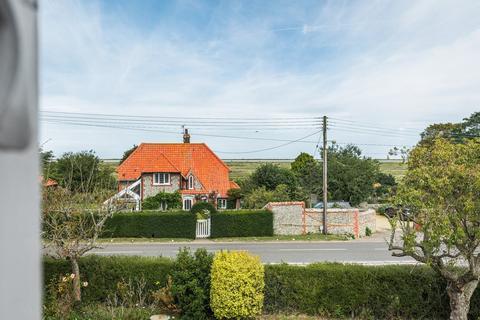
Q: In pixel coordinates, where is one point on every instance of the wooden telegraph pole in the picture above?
(325, 184)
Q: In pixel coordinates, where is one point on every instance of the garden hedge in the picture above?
(345, 291)
(151, 224)
(242, 223)
(330, 290)
(103, 273)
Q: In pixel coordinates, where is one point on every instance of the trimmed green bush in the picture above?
(237, 285)
(242, 223)
(151, 225)
(345, 291)
(201, 207)
(103, 273)
(166, 199)
(191, 283)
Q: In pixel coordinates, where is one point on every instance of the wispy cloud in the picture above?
(394, 63)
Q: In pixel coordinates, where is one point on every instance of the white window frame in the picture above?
(222, 203)
(190, 183)
(165, 176)
(184, 202)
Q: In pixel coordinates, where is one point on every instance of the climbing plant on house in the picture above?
(163, 201)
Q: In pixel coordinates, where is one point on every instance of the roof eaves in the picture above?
(131, 154)
(218, 158)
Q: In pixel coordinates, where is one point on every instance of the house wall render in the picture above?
(149, 189)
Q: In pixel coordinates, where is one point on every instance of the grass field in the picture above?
(396, 169)
(241, 169)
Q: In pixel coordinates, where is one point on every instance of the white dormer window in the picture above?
(190, 183)
(161, 179)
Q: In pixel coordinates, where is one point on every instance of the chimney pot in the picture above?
(186, 136)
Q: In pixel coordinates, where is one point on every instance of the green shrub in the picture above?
(191, 284)
(163, 200)
(103, 273)
(201, 207)
(237, 285)
(345, 291)
(368, 232)
(383, 207)
(151, 224)
(234, 195)
(242, 223)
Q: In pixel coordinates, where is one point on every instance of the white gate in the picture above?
(203, 228)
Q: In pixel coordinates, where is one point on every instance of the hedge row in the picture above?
(103, 273)
(378, 292)
(242, 223)
(151, 225)
(332, 290)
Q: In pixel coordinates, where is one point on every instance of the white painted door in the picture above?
(203, 228)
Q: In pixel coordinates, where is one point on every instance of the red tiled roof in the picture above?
(193, 191)
(234, 185)
(197, 158)
(48, 183)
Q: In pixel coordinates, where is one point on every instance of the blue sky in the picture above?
(393, 64)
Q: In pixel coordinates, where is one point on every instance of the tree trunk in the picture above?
(77, 295)
(460, 294)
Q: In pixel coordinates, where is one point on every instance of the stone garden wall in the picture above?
(291, 218)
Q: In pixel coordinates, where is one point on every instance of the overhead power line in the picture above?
(178, 132)
(165, 124)
(271, 148)
(370, 132)
(179, 122)
(120, 124)
(375, 129)
(370, 124)
(365, 144)
(181, 118)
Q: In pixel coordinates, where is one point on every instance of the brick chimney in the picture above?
(186, 136)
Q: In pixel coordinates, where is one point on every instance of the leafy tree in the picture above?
(351, 177)
(71, 224)
(402, 152)
(235, 194)
(385, 184)
(471, 125)
(259, 197)
(441, 130)
(128, 152)
(302, 161)
(469, 128)
(83, 172)
(47, 161)
(271, 175)
(46, 157)
(442, 191)
(309, 173)
(246, 185)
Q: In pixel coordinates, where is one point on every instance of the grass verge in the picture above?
(142, 240)
(307, 237)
